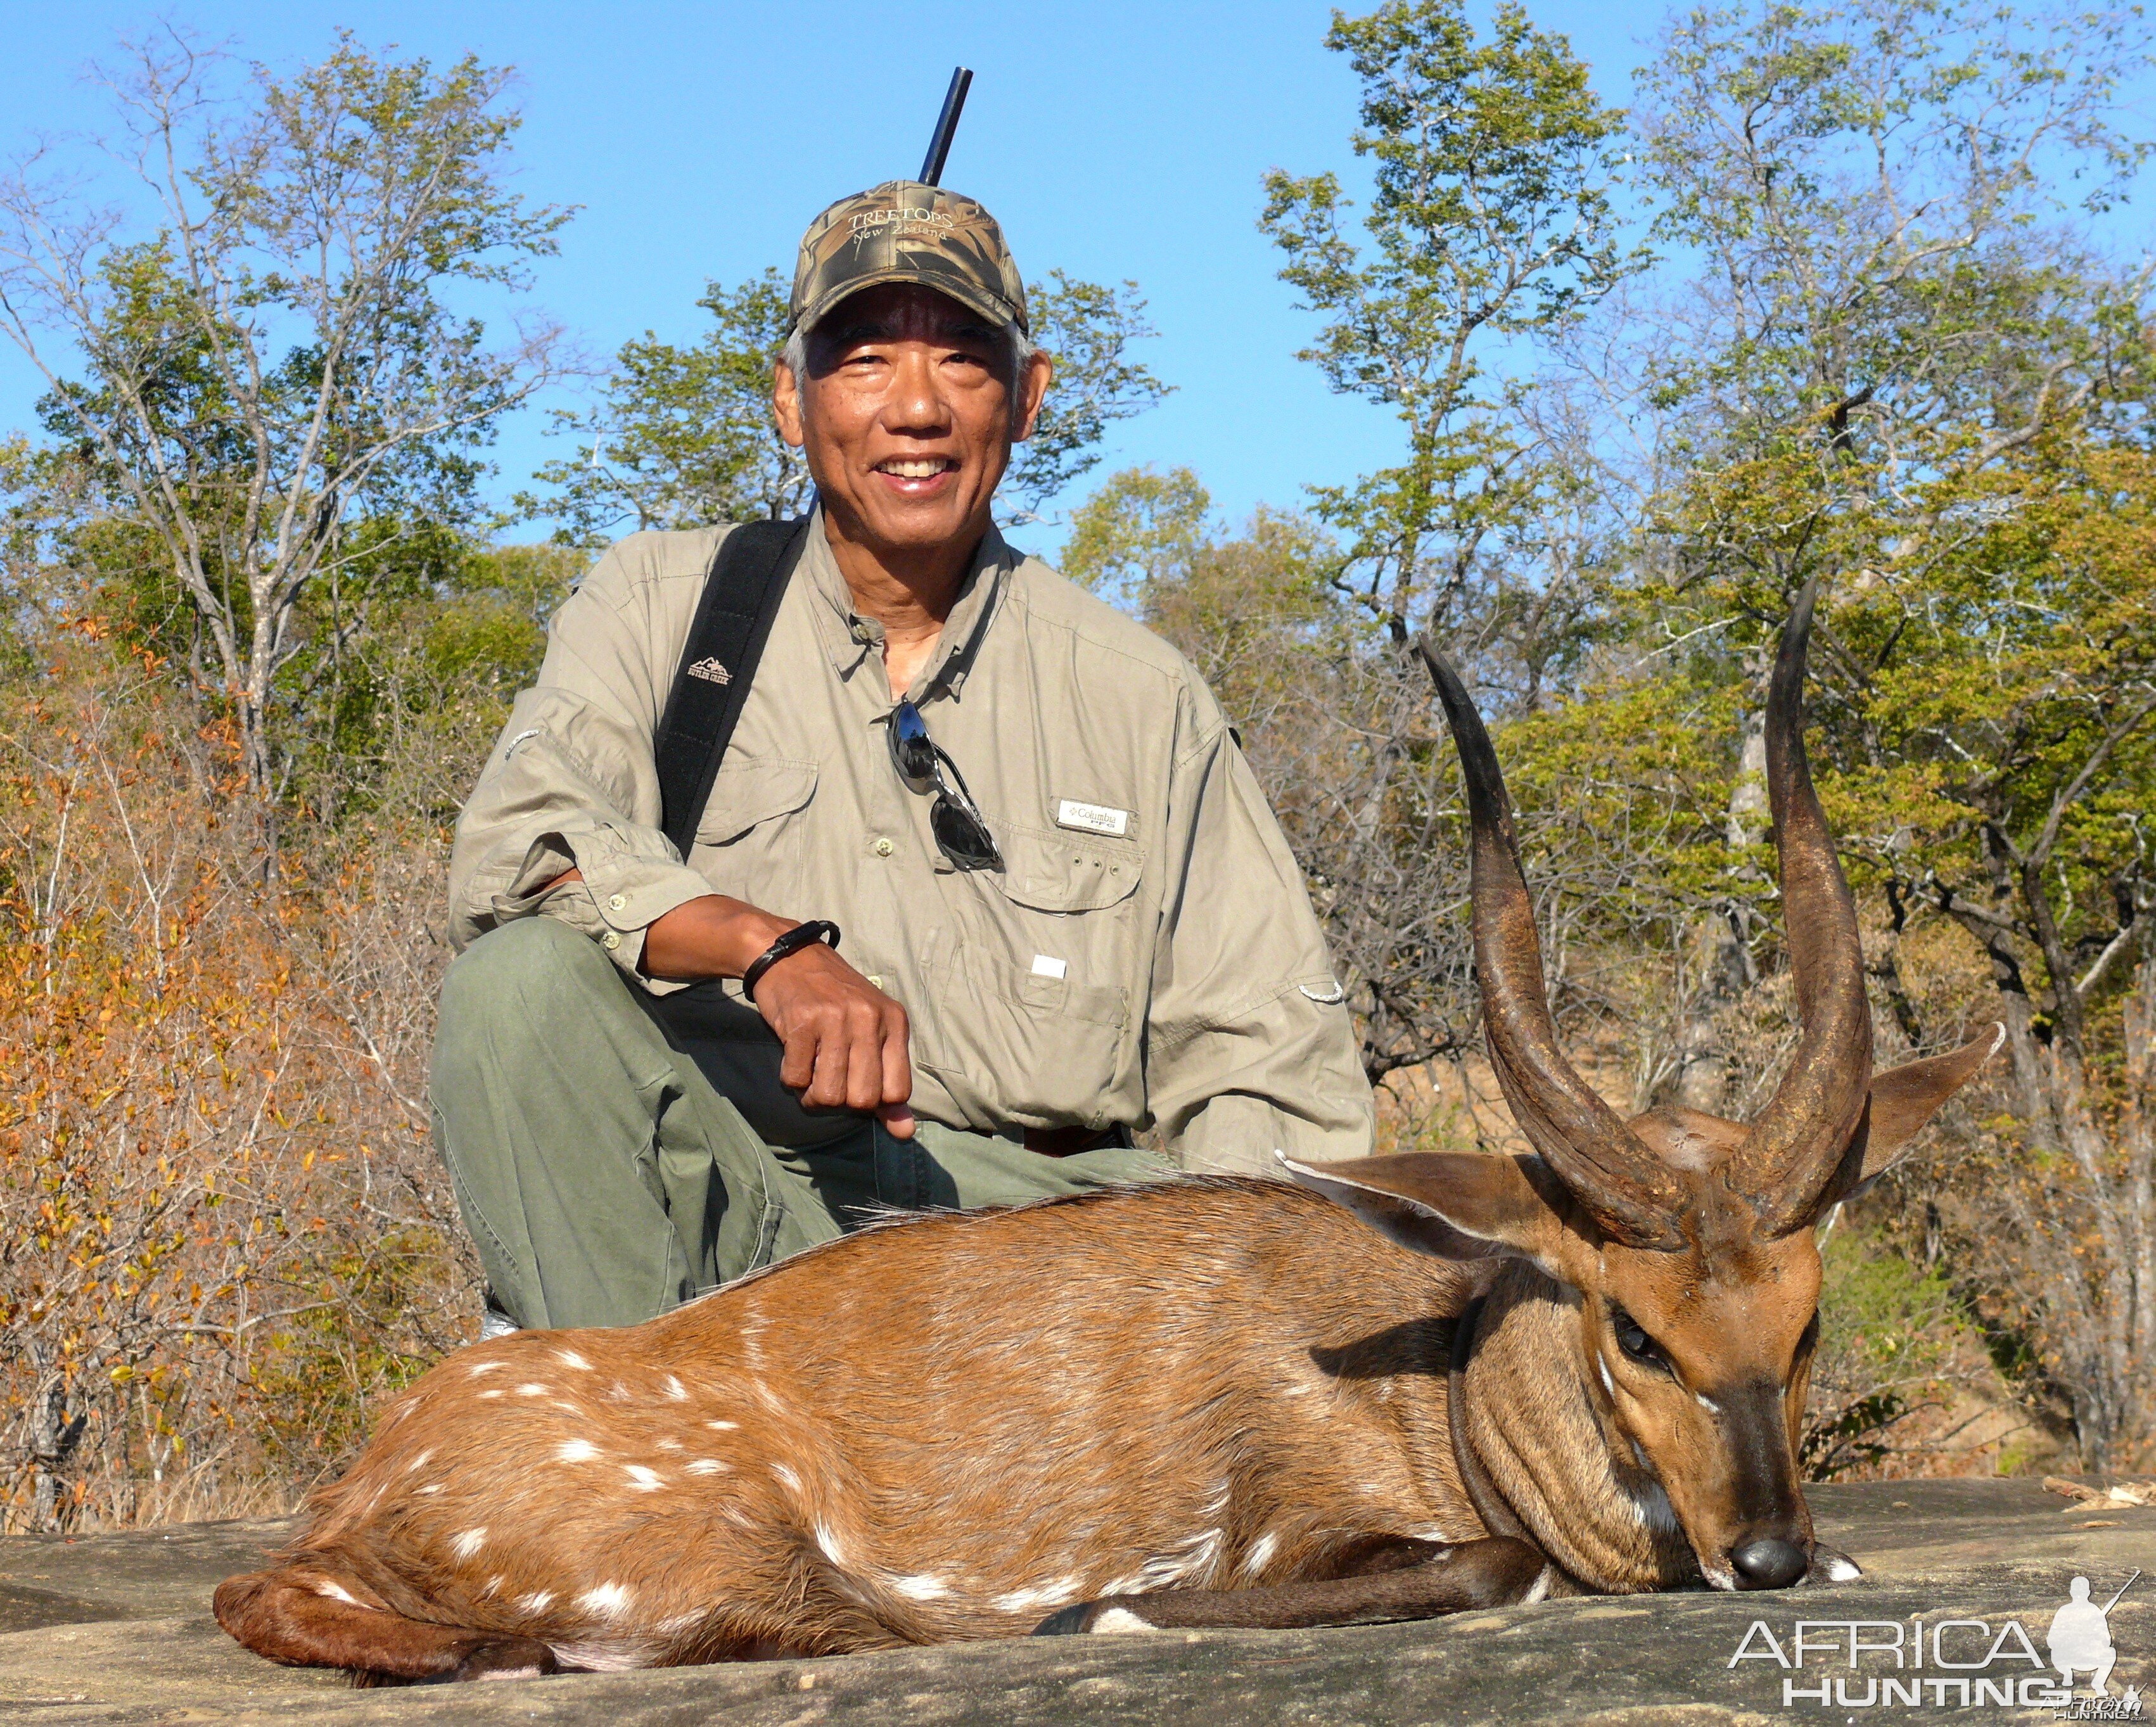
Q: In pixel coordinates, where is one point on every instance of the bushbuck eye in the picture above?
(1633, 1340)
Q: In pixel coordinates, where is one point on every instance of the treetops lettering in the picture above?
(912, 216)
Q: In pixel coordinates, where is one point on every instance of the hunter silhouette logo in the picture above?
(2080, 1636)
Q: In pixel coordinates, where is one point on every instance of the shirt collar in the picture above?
(849, 638)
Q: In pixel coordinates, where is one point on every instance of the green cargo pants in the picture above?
(605, 1178)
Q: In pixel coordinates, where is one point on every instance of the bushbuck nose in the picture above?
(1768, 1563)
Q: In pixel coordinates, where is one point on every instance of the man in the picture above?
(1066, 913)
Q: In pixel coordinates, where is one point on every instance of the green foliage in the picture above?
(276, 369)
(1491, 220)
(1890, 1334)
(1086, 328)
(681, 437)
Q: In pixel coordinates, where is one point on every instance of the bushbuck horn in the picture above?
(1632, 1193)
(1796, 1144)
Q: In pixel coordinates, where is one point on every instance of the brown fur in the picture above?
(963, 1418)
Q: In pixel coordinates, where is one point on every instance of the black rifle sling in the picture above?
(741, 598)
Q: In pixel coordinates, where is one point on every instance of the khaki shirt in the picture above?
(1147, 956)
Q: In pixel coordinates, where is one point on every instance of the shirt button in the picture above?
(618, 901)
(883, 849)
(610, 940)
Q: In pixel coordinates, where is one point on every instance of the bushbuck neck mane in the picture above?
(1572, 1481)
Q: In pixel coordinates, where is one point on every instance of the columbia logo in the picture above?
(711, 671)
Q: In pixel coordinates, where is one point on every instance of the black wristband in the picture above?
(792, 941)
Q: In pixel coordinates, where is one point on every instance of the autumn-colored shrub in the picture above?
(226, 1233)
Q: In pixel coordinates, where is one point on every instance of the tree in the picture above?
(274, 361)
(1999, 767)
(680, 437)
(1491, 223)
(1900, 364)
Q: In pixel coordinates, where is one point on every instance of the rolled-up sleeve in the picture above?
(1250, 1048)
(571, 784)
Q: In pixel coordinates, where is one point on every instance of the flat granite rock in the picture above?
(116, 1629)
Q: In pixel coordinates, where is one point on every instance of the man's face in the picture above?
(907, 416)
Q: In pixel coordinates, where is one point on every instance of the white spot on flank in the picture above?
(708, 1466)
(493, 1586)
(1060, 1593)
(417, 1463)
(468, 1543)
(667, 1444)
(432, 1487)
(1539, 1588)
(642, 1479)
(480, 1367)
(336, 1591)
(537, 1603)
(1189, 1562)
(786, 1476)
(495, 1393)
(922, 1587)
(570, 1358)
(721, 1426)
(609, 1598)
(676, 1389)
(533, 1389)
(1119, 1620)
(576, 1451)
(1259, 1554)
(829, 1541)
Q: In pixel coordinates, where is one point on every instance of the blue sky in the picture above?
(1112, 140)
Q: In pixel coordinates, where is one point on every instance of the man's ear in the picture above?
(1452, 1205)
(1032, 392)
(1903, 1099)
(786, 403)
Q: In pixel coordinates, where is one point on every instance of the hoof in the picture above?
(1070, 1622)
(1093, 1618)
(1831, 1565)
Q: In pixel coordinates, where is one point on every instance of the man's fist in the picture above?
(845, 1039)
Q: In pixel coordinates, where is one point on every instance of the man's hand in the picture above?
(845, 1039)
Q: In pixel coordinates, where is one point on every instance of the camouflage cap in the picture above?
(903, 231)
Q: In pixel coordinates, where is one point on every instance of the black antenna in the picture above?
(946, 123)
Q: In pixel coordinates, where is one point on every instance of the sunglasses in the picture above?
(954, 819)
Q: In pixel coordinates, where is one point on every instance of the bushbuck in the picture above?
(1407, 1385)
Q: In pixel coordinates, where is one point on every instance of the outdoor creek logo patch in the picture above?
(711, 671)
(1952, 1664)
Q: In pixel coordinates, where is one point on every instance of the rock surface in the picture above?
(116, 1629)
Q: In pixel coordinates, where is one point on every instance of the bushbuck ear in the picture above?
(1452, 1205)
(1903, 1099)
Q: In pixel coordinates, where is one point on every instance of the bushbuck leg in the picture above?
(308, 1620)
(1492, 1573)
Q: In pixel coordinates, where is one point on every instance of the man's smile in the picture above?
(916, 476)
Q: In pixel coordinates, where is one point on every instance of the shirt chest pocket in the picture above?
(751, 829)
(1036, 1005)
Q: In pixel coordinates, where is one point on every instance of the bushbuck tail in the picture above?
(1390, 1389)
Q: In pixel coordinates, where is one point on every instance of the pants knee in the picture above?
(534, 981)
